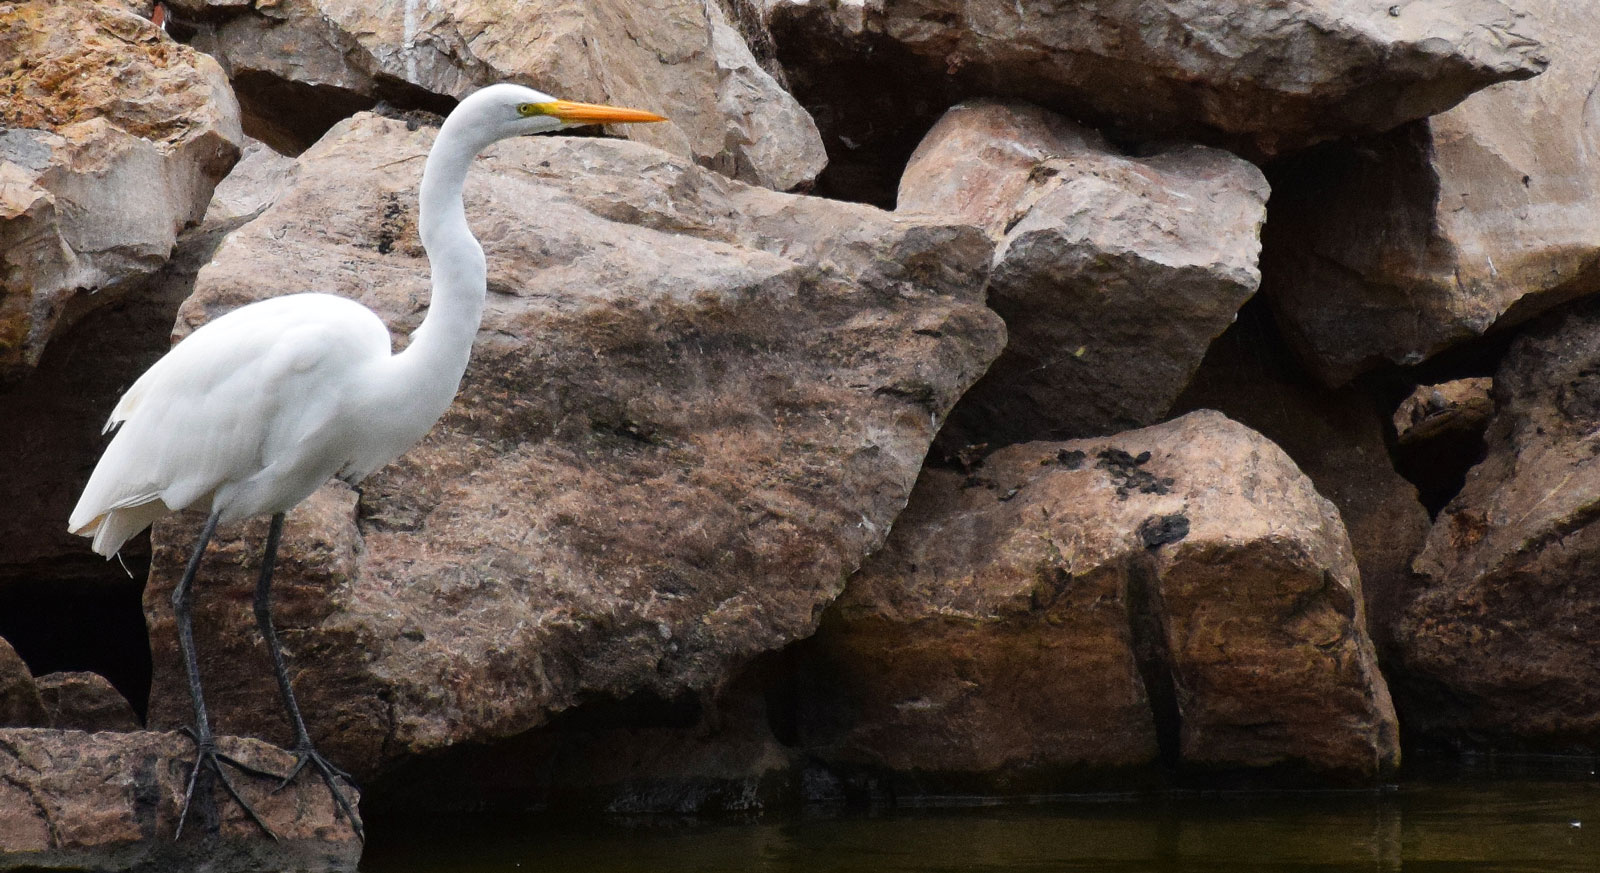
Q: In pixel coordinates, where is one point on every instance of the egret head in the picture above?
(505, 110)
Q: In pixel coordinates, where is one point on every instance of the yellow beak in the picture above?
(595, 113)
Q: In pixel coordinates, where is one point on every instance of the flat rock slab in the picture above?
(694, 407)
(109, 801)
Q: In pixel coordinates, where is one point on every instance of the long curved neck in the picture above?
(441, 345)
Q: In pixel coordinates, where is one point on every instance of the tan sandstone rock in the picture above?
(1336, 437)
(300, 65)
(110, 801)
(1114, 273)
(1500, 643)
(693, 408)
(1260, 78)
(1475, 219)
(1082, 604)
(20, 703)
(80, 701)
(111, 139)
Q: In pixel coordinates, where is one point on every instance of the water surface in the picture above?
(1540, 822)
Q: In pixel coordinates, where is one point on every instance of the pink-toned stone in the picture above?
(694, 407)
(20, 704)
(72, 800)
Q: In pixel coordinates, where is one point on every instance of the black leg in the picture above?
(208, 763)
(305, 753)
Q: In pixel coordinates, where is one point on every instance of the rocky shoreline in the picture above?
(953, 398)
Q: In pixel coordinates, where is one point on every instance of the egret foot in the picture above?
(210, 761)
(305, 754)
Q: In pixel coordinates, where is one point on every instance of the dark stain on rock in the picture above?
(1161, 530)
(393, 223)
(1127, 473)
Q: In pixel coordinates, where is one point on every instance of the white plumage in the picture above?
(255, 410)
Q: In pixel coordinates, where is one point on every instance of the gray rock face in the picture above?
(1475, 219)
(111, 139)
(1114, 274)
(110, 801)
(1500, 641)
(694, 407)
(300, 65)
(1079, 605)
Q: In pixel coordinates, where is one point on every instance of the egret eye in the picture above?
(527, 110)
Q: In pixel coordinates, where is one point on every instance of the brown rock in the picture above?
(1083, 603)
(20, 704)
(1336, 437)
(111, 138)
(1261, 79)
(301, 65)
(1114, 274)
(1394, 249)
(84, 702)
(694, 407)
(1456, 407)
(71, 800)
(1500, 643)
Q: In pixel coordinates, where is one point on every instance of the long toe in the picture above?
(331, 776)
(207, 766)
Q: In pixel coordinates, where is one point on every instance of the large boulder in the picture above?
(694, 407)
(301, 65)
(1258, 78)
(1390, 250)
(110, 801)
(1064, 607)
(1500, 641)
(111, 139)
(1337, 438)
(1113, 273)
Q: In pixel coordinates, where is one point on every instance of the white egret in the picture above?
(257, 409)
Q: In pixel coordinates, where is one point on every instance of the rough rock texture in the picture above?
(1114, 274)
(1258, 78)
(693, 408)
(300, 65)
(20, 703)
(110, 801)
(254, 183)
(1085, 603)
(771, 141)
(1336, 437)
(80, 701)
(1500, 642)
(1454, 407)
(111, 139)
(1481, 217)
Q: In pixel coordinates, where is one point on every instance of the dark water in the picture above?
(1537, 822)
